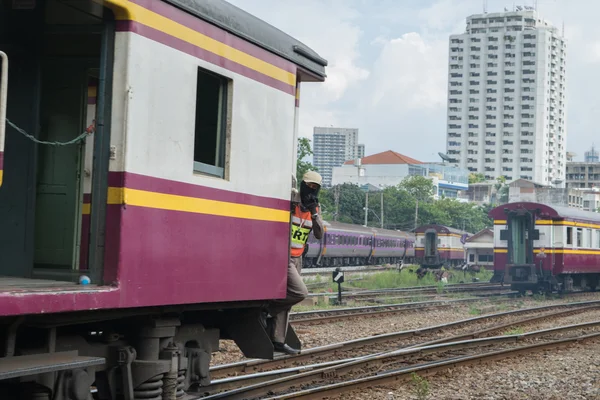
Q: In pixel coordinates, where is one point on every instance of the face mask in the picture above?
(308, 196)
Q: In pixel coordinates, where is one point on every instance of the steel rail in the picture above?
(258, 365)
(321, 372)
(335, 315)
(430, 368)
(416, 290)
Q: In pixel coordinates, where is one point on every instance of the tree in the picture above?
(304, 150)
(419, 187)
(476, 177)
(501, 190)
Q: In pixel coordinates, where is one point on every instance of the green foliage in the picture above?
(420, 385)
(476, 177)
(515, 331)
(501, 190)
(408, 278)
(474, 310)
(419, 187)
(304, 150)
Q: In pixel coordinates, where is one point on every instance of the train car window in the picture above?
(597, 238)
(472, 257)
(213, 99)
(579, 237)
(569, 235)
(588, 242)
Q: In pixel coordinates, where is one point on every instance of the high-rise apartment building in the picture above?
(332, 147)
(506, 97)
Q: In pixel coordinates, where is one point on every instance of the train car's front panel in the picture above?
(522, 268)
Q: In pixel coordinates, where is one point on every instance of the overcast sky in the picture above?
(387, 73)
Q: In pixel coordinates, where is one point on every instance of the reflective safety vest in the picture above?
(301, 227)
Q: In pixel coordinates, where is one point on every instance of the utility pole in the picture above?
(416, 213)
(366, 206)
(382, 209)
(336, 195)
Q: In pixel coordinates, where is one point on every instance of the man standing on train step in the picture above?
(305, 218)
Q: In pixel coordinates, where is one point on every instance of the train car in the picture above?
(439, 245)
(144, 198)
(348, 244)
(544, 248)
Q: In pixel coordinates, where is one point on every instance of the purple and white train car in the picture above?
(348, 244)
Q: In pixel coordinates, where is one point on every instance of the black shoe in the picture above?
(284, 348)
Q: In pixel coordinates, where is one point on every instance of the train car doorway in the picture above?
(520, 249)
(431, 247)
(55, 48)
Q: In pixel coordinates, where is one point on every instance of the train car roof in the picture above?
(441, 229)
(361, 229)
(545, 211)
(253, 29)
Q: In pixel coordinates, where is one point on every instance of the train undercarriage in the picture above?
(150, 354)
(523, 278)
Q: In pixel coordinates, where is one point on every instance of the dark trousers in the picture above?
(296, 292)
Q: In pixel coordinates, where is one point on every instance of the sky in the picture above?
(388, 66)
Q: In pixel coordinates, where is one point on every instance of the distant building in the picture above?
(592, 156)
(525, 190)
(479, 249)
(389, 168)
(360, 151)
(583, 175)
(332, 146)
(506, 97)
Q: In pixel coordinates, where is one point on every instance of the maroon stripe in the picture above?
(85, 241)
(87, 197)
(188, 48)
(152, 184)
(1, 159)
(297, 102)
(112, 243)
(91, 100)
(214, 32)
(171, 257)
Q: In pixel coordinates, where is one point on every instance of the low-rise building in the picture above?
(479, 249)
(389, 168)
(525, 190)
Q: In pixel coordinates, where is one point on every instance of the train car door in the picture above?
(59, 194)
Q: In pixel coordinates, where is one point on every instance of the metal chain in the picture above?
(79, 138)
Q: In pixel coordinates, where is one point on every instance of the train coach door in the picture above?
(59, 168)
(520, 248)
(430, 247)
(54, 48)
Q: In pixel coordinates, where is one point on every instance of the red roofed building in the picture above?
(389, 168)
(387, 157)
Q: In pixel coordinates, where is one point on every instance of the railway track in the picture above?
(357, 269)
(395, 367)
(424, 356)
(453, 288)
(407, 338)
(309, 317)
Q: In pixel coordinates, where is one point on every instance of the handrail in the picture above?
(3, 95)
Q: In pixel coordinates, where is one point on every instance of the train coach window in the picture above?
(569, 235)
(579, 237)
(212, 116)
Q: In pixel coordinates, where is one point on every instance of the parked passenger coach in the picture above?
(149, 146)
(439, 245)
(542, 248)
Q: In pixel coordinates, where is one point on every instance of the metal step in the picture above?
(14, 367)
